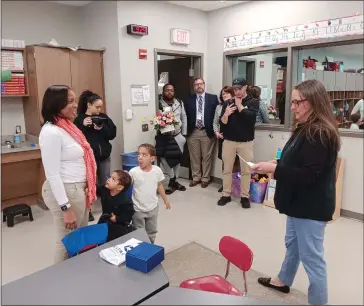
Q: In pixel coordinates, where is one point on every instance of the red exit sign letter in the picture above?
(180, 36)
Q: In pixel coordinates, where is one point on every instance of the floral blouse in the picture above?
(216, 123)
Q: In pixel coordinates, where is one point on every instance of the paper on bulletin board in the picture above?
(140, 94)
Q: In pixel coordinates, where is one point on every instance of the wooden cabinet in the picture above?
(81, 69)
(22, 177)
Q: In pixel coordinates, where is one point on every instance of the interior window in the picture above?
(340, 69)
(268, 72)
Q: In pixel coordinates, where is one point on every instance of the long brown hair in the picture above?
(226, 89)
(321, 120)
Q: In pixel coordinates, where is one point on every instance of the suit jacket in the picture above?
(211, 101)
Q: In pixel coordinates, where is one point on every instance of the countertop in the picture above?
(23, 146)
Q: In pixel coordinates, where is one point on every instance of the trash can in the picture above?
(130, 160)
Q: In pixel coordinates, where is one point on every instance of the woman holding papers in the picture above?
(305, 189)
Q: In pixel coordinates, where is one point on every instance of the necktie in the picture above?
(199, 123)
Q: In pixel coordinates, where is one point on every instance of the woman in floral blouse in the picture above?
(226, 94)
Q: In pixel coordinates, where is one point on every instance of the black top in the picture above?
(99, 140)
(306, 177)
(120, 205)
(241, 125)
(211, 101)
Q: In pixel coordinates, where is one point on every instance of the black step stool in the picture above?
(20, 209)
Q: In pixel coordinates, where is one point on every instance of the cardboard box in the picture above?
(145, 257)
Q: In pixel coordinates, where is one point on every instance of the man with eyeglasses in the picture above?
(200, 111)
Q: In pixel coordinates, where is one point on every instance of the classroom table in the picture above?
(87, 279)
(181, 296)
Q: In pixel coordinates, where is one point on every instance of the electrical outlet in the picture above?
(145, 128)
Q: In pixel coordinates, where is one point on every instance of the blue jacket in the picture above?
(211, 101)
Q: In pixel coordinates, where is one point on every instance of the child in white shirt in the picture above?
(147, 180)
(355, 118)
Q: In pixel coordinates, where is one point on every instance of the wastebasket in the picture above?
(130, 160)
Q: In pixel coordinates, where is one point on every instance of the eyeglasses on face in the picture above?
(199, 84)
(297, 102)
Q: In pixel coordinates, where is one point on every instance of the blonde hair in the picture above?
(321, 120)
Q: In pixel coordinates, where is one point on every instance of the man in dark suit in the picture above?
(200, 111)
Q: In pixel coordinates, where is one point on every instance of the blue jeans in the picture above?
(305, 242)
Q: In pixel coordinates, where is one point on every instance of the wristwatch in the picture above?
(65, 207)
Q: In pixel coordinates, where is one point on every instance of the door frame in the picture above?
(198, 65)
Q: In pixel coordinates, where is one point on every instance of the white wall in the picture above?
(11, 115)
(263, 15)
(100, 30)
(35, 22)
(243, 18)
(160, 18)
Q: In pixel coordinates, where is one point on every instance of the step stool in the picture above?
(20, 209)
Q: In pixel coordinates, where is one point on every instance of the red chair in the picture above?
(237, 253)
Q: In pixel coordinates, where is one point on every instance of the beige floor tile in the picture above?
(28, 246)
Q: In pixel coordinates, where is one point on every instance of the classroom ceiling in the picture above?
(206, 5)
(73, 3)
(198, 5)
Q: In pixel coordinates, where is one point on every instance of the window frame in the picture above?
(292, 62)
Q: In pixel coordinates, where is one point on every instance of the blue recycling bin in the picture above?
(130, 160)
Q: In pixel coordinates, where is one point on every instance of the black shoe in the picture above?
(245, 203)
(220, 189)
(90, 217)
(169, 191)
(266, 283)
(178, 186)
(223, 201)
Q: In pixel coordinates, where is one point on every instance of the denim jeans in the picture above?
(305, 242)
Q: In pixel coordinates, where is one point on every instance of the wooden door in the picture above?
(87, 72)
(52, 68)
(46, 66)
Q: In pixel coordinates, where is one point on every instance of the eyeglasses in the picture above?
(297, 102)
(199, 84)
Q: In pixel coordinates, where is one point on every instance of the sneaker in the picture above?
(245, 203)
(90, 217)
(223, 201)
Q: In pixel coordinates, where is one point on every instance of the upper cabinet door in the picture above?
(53, 68)
(87, 72)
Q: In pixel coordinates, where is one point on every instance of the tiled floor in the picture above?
(28, 247)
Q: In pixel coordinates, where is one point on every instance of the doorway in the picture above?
(180, 69)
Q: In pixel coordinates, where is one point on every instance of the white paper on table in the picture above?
(146, 93)
(116, 254)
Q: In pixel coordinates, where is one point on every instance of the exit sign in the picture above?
(180, 37)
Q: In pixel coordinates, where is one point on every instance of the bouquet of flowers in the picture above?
(165, 121)
(272, 112)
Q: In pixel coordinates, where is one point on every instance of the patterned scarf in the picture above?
(89, 158)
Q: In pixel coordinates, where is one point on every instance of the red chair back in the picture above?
(237, 252)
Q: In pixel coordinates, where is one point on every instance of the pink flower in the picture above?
(162, 123)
